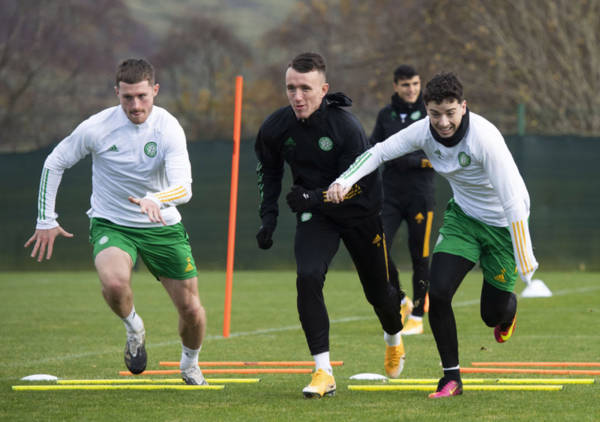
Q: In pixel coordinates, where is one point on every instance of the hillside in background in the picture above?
(519, 59)
(247, 19)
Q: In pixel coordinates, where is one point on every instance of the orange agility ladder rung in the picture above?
(534, 364)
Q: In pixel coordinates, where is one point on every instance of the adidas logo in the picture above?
(113, 148)
(376, 240)
(500, 277)
(419, 218)
(189, 267)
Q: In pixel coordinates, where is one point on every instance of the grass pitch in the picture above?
(57, 323)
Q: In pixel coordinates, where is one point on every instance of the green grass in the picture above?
(57, 323)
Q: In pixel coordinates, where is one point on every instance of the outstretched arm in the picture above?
(47, 228)
(68, 152)
(403, 142)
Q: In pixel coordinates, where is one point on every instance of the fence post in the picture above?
(521, 119)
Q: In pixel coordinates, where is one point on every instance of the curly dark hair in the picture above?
(443, 86)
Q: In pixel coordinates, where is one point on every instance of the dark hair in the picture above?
(307, 62)
(404, 72)
(443, 86)
(132, 71)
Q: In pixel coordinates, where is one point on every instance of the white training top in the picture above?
(149, 160)
(485, 180)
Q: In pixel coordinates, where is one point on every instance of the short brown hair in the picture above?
(307, 62)
(132, 71)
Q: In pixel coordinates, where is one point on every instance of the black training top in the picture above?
(411, 173)
(317, 149)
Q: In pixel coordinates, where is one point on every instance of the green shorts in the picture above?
(476, 241)
(166, 250)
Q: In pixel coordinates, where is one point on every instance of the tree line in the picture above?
(57, 58)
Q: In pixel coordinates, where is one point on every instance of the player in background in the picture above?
(140, 173)
(408, 192)
(318, 138)
(486, 220)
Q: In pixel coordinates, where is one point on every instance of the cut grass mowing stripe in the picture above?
(420, 387)
(227, 371)
(114, 387)
(157, 381)
(528, 371)
(550, 364)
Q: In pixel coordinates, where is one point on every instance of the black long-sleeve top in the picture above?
(317, 149)
(411, 173)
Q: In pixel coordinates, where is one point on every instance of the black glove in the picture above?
(264, 237)
(300, 199)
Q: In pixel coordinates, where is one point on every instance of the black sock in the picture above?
(452, 374)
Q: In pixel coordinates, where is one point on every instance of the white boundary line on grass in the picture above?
(111, 350)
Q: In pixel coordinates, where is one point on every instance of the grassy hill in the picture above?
(249, 19)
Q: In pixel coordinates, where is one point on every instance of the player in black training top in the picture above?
(319, 139)
(408, 185)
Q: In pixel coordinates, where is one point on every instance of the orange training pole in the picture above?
(263, 363)
(528, 371)
(534, 364)
(235, 163)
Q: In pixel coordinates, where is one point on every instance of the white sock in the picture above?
(189, 357)
(416, 318)
(392, 339)
(322, 362)
(133, 322)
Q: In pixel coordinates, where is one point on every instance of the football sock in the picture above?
(392, 339)
(189, 357)
(416, 318)
(452, 373)
(322, 362)
(133, 322)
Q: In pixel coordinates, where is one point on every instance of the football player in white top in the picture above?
(485, 221)
(140, 172)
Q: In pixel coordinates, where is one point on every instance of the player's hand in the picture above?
(300, 199)
(150, 208)
(337, 192)
(264, 237)
(43, 242)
